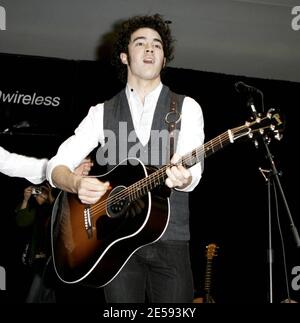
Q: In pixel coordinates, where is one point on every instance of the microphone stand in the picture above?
(270, 249)
(273, 174)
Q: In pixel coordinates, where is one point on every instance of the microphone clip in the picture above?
(250, 92)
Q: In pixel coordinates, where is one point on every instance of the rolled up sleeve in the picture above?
(191, 136)
(86, 137)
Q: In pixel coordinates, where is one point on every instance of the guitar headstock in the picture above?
(211, 250)
(269, 124)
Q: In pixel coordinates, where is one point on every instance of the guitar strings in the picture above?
(159, 174)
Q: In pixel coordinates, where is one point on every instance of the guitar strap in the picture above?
(172, 118)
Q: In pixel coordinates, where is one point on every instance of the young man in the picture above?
(161, 270)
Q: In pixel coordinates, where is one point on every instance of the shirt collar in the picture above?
(153, 95)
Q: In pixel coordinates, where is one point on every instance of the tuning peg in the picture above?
(270, 113)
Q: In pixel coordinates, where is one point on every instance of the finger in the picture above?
(93, 184)
(184, 172)
(86, 167)
(88, 200)
(91, 190)
(170, 175)
(175, 158)
(171, 180)
(90, 197)
(169, 183)
(177, 174)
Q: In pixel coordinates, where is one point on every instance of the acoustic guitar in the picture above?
(91, 243)
(210, 254)
(211, 250)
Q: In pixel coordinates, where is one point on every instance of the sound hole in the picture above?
(118, 205)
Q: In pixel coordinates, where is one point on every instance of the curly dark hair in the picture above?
(125, 29)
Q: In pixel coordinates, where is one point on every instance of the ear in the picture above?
(123, 57)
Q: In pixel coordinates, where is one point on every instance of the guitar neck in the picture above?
(209, 148)
(195, 156)
(207, 281)
(157, 178)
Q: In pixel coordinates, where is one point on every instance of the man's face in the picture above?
(145, 57)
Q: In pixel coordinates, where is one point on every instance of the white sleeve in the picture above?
(191, 136)
(14, 165)
(86, 137)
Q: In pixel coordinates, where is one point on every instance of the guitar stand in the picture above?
(272, 177)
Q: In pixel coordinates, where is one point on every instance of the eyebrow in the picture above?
(143, 37)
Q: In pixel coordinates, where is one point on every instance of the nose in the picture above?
(149, 49)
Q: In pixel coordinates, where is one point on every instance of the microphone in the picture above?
(241, 87)
(21, 124)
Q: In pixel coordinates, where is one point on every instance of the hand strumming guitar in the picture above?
(89, 190)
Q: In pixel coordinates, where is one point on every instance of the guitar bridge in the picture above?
(88, 222)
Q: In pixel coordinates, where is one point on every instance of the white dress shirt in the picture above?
(90, 132)
(14, 165)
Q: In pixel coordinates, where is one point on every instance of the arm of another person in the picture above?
(15, 165)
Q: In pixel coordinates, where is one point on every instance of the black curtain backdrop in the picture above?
(229, 206)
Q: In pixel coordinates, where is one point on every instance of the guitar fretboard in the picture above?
(157, 178)
(207, 282)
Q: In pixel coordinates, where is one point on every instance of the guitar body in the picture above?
(91, 244)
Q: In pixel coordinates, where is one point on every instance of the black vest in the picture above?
(117, 117)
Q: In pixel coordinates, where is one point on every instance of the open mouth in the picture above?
(148, 60)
